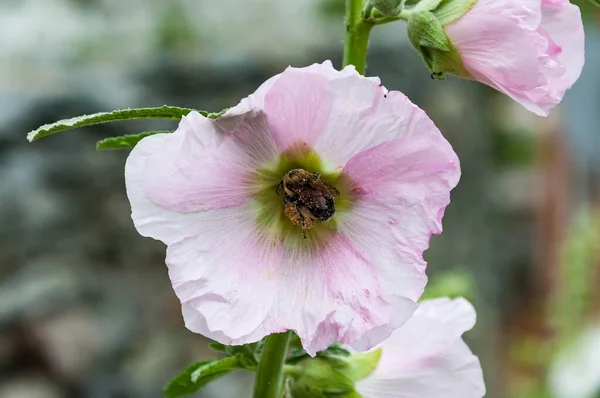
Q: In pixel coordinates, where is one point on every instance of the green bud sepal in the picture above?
(390, 8)
(330, 375)
(427, 35)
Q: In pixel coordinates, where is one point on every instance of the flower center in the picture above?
(298, 198)
(307, 198)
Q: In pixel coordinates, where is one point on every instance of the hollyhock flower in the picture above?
(427, 357)
(212, 191)
(531, 50)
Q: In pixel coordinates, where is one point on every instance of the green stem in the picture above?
(269, 376)
(358, 29)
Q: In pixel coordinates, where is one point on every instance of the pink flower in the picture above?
(242, 270)
(427, 357)
(531, 50)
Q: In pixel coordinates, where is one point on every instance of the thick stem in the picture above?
(358, 29)
(269, 376)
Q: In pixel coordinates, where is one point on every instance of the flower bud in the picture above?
(332, 375)
(428, 37)
(532, 51)
(390, 8)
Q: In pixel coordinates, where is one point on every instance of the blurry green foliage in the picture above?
(454, 283)
(568, 310)
(515, 148)
(588, 10)
(332, 8)
(580, 256)
(175, 32)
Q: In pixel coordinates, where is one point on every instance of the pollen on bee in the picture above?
(293, 214)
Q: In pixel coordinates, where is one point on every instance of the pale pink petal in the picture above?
(365, 115)
(203, 166)
(562, 20)
(402, 188)
(401, 308)
(329, 294)
(496, 50)
(526, 13)
(426, 357)
(332, 293)
(226, 275)
(297, 107)
(150, 219)
(256, 100)
(455, 374)
(531, 50)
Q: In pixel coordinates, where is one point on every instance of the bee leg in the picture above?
(280, 185)
(302, 222)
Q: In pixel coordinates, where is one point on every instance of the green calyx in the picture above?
(448, 11)
(331, 376)
(390, 8)
(269, 200)
(427, 35)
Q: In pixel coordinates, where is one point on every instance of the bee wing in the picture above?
(325, 189)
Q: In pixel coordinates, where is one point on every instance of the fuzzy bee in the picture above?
(307, 198)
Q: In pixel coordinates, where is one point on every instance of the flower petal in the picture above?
(562, 21)
(226, 275)
(203, 165)
(531, 50)
(298, 106)
(526, 12)
(427, 357)
(402, 188)
(455, 374)
(496, 50)
(150, 219)
(332, 294)
(365, 115)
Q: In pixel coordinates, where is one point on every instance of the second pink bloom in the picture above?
(531, 50)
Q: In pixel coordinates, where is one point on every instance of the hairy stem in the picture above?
(358, 29)
(269, 376)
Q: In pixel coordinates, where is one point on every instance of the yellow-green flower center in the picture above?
(270, 197)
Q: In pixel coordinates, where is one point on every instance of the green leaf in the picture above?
(198, 375)
(218, 347)
(335, 349)
(246, 354)
(162, 112)
(125, 141)
(595, 2)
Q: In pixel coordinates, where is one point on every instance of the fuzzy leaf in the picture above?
(125, 141)
(162, 112)
(198, 375)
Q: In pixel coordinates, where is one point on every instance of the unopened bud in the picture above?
(332, 375)
(427, 35)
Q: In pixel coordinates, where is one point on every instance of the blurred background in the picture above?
(86, 307)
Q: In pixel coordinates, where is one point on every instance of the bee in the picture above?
(307, 198)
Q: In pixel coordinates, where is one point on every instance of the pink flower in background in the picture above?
(427, 357)
(240, 266)
(531, 50)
